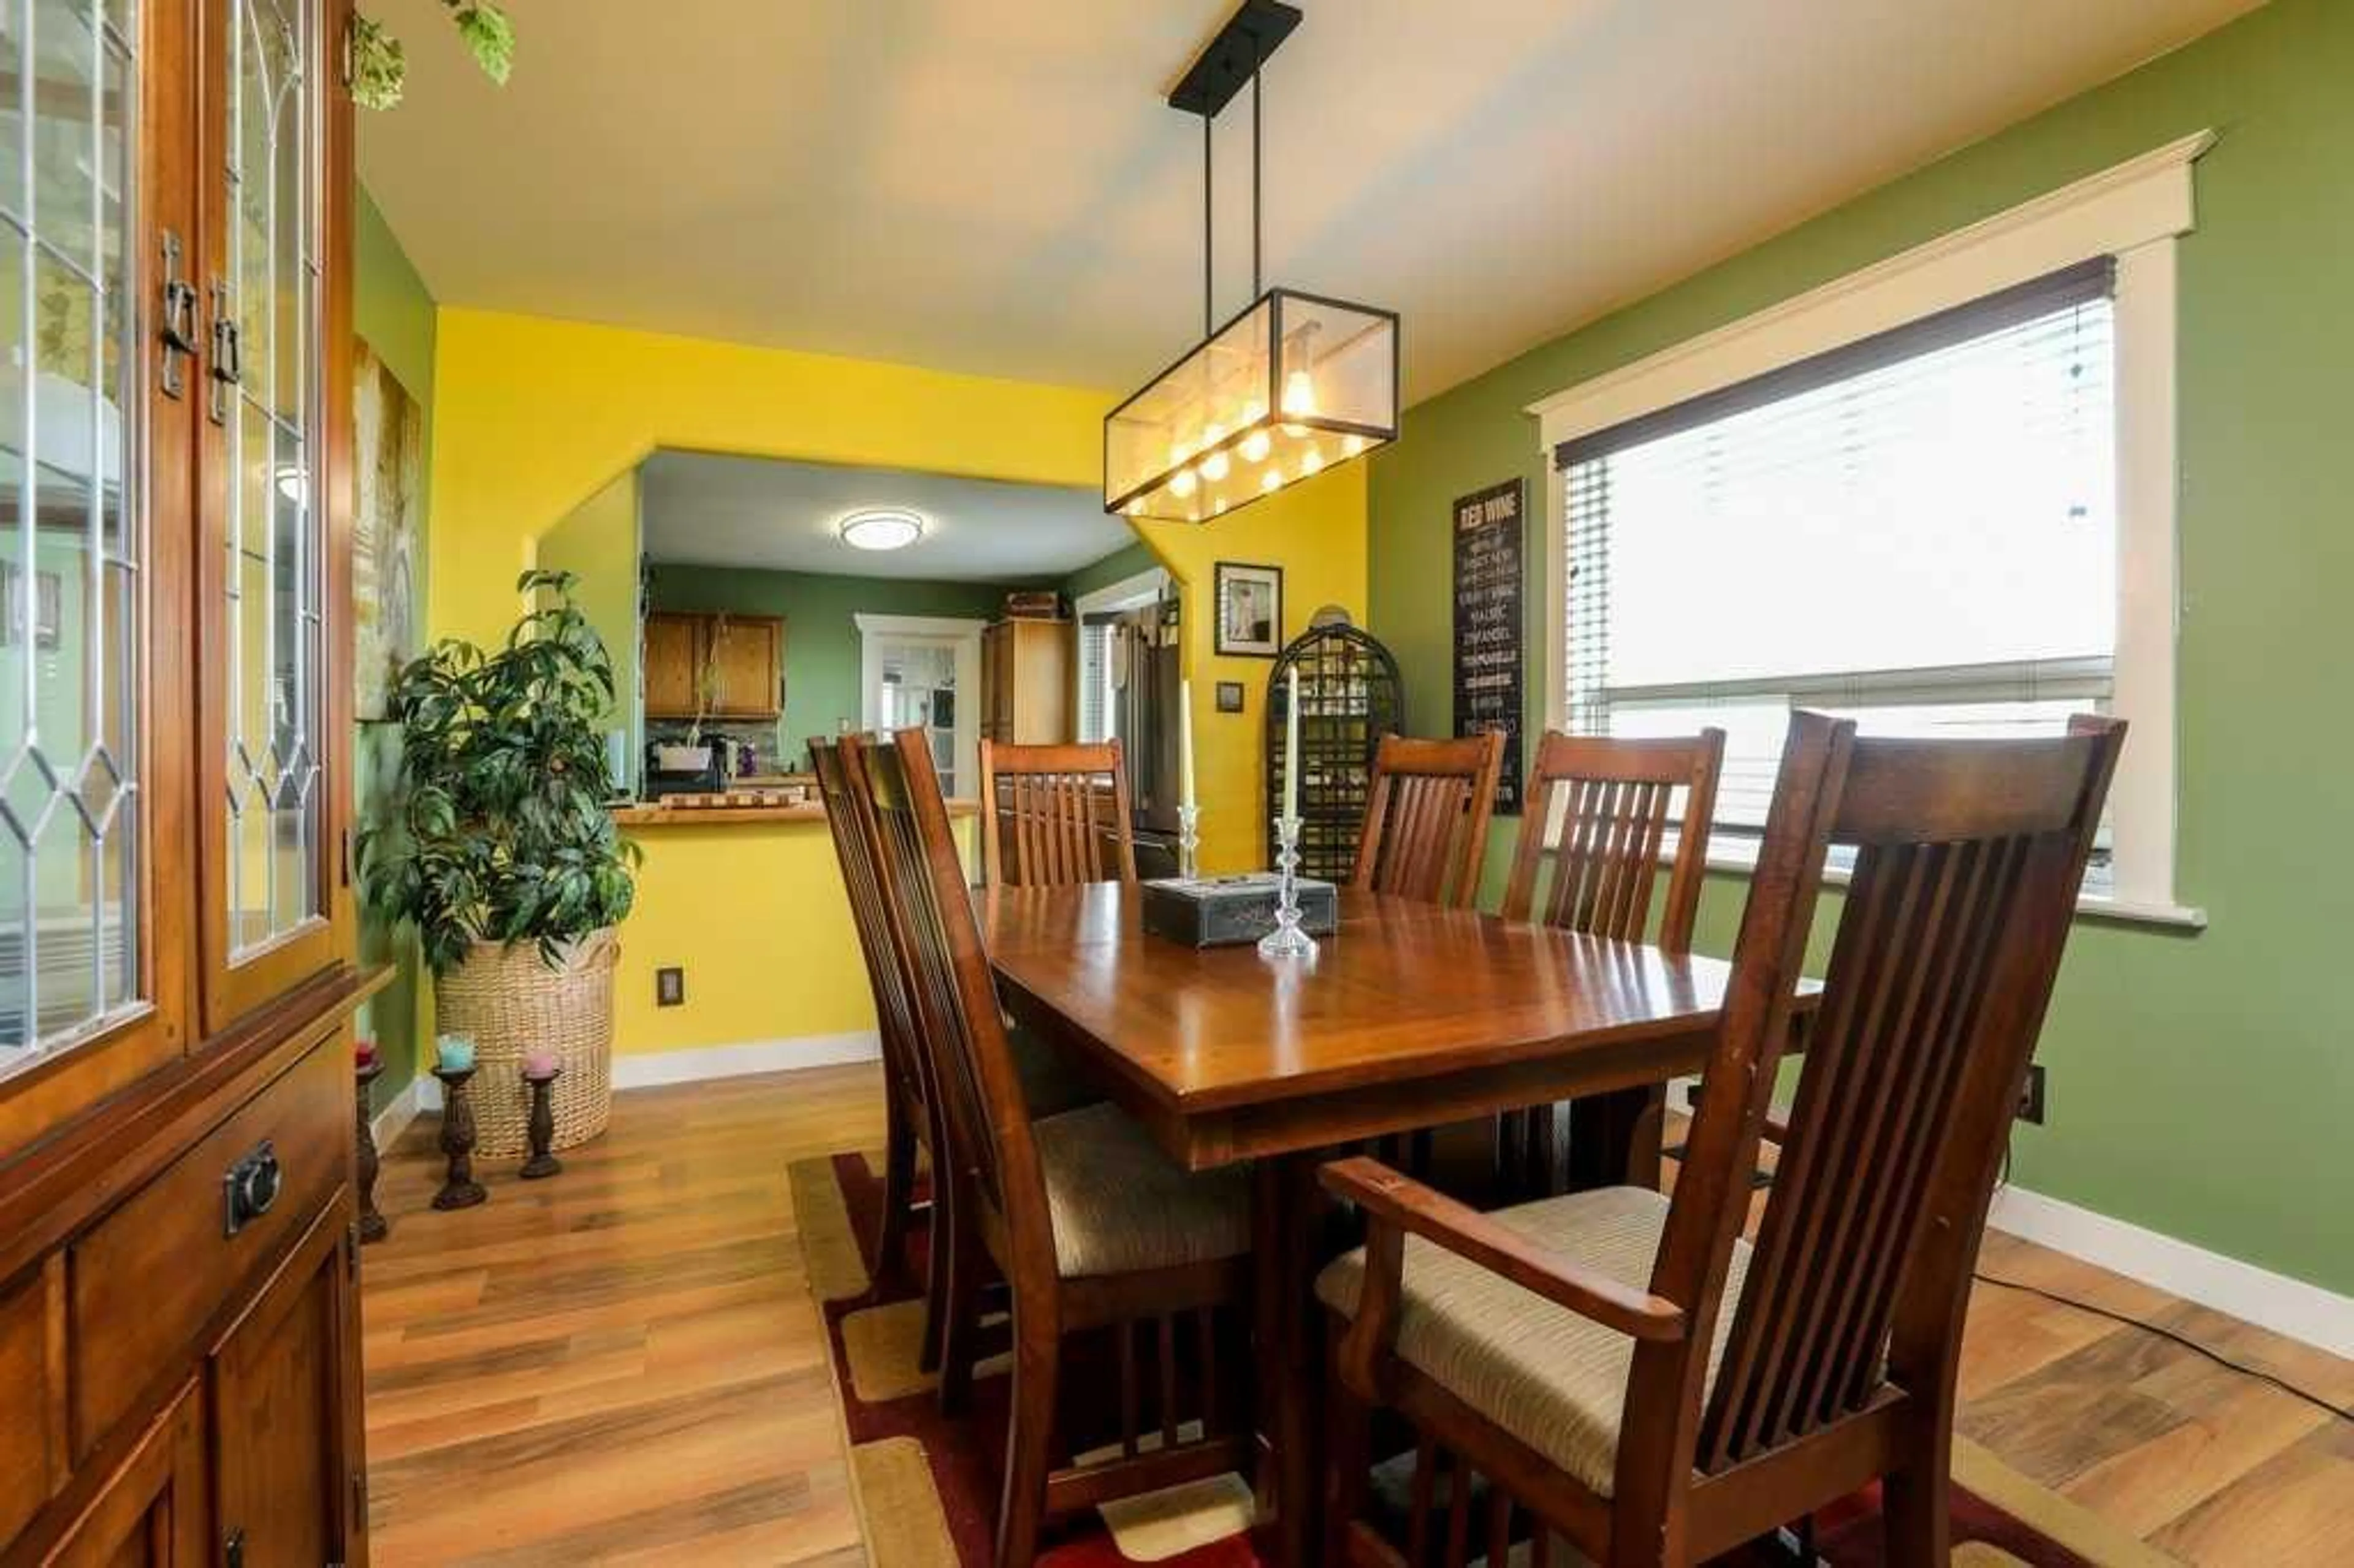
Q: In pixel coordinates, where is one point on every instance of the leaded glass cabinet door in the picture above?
(92, 765)
(276, 402)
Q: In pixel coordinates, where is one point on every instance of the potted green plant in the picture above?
(500, 849)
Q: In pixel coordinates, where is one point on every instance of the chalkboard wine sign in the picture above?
(1488, 624)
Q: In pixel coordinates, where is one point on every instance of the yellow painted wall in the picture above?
(532, 416)
(757, 917)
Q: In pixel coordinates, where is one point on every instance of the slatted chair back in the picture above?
(1969, 858)
(904, 1057)
(1427, 817)
(1602, 805)
(932, 925)
(1053, 815)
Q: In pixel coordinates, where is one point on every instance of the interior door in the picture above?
(151, 1514)
(281, 1486)
(273, 750)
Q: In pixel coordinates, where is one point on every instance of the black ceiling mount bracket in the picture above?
(1228, 62)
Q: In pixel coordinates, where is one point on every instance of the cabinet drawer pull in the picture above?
(229, 353)
(250, 1187)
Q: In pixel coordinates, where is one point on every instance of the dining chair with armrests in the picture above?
(1091, 1226)
(1594, 830)
(912, 1124)
(1052, 815)
(1426, 831)
(1626, 1370)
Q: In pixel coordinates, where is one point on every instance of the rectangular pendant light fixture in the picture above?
(1295, 384)
(1291, 386)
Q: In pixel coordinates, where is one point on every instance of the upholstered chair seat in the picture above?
(1553, 1379)
(1118, 1206)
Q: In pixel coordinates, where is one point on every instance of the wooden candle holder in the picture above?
(541, 1129)
(374, 1226)
(458, 1188)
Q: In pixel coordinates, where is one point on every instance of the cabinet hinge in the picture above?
(233, 1549)
(348, 857)
(359, 1499)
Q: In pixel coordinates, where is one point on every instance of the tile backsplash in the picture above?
(762, 738)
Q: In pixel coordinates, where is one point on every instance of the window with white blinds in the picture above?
(1918, 529)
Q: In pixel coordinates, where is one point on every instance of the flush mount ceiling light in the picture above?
(881, 528)
(1294, 385)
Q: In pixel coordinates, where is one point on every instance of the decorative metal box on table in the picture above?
(1220, 911)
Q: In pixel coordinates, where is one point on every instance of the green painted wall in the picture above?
(821, 638)
(2199, 1085)
(1120, 565)
(597, 541)
(394, 314)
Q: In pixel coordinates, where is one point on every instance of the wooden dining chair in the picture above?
(912, 1120)
(1094, 1230)
(1594, 830)
(1427, 812)
(1626, 1371)
(1052, 815)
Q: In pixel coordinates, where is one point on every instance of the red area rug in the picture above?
(929, 1486)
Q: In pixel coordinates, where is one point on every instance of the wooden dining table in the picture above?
(1409, 1016)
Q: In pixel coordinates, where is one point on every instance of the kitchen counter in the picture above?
(660, 815)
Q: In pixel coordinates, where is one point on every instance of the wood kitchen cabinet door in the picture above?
(285, 1488)
(674, 653)
(151, 1514)
(747, 661)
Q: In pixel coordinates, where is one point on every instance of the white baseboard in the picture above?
(655, 1068)
(393, 1120)
(2258, 1295)
(658, 1068)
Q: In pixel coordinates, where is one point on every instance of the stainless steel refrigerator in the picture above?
(1141, 656)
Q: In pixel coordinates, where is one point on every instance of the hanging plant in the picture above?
(380, 67)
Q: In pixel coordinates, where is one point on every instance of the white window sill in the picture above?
(1741, 861)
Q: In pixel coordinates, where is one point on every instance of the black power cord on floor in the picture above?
(2341, 1412)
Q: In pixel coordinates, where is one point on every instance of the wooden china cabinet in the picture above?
(179, 1346)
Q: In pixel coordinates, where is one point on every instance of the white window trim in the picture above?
(2134, 211)
(1140, 587)
(965, 636)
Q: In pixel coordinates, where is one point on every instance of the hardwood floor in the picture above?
(622, 1365)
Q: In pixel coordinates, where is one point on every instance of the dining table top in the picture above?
(1407, 1011)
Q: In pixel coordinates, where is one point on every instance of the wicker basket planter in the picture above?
(511, 1004)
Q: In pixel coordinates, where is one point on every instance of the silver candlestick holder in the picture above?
(1287, 940)
(1189, 842)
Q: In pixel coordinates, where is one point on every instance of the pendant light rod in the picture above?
(1257, 206)
(1227, 63)
(1209, 233)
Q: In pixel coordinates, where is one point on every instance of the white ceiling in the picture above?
(994, 185)
(783, 516)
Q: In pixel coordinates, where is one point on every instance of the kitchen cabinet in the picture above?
(748, 666)
(712, 666)
(177, 971)
(1026, 682)
(674, 653)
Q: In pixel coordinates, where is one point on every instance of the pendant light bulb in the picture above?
(1352, 445)
(1256, 447)
(1298, 396)
(1181, 483)
(1269, 482)
(1310, 462)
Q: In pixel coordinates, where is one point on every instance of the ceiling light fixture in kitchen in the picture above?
(881, 528)
(1295, 384)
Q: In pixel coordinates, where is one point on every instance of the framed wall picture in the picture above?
(1250, 609)
(1230, 696)
(388, 529)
